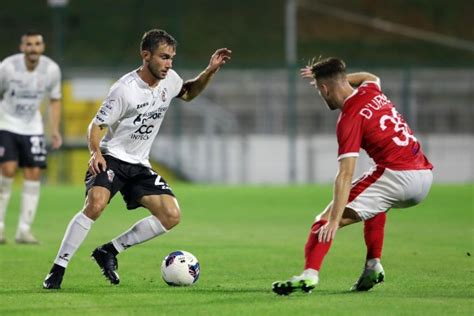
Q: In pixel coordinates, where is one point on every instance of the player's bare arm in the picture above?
(55, 118)
(342, 188)
(356, 78)
(192, 88)
(97, 162)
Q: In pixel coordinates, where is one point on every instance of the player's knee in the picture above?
(8, 171)
(95, 205)
(172, 218)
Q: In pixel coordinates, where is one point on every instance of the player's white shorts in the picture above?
(381, 189)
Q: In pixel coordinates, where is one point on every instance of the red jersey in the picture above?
(369, 120)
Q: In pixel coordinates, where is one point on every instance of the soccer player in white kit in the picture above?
(401, 177)
(25, 80)
(132, 113)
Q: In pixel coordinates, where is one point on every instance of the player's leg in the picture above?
(372, 273)
(165, 215)
(76, 231)
(32, 158)
(153, 193)
(8, 166)
(315, 251)
(402, 189)
(374, 232)
(29, 204)
(7, 174)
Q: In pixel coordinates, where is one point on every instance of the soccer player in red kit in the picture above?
(401, 176)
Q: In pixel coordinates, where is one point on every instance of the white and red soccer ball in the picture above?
(180, 268)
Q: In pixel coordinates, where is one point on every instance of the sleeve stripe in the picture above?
(347, 155)
(374, 82)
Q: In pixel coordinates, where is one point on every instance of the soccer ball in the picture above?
(180, 268)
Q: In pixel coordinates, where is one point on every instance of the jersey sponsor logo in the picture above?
(139, 106)
(108, 104)
(27, 94)
(145, 129)
(25, 110)
(145, 122)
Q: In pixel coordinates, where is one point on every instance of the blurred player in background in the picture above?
(132, 113)
(401, 178)
(25, 79)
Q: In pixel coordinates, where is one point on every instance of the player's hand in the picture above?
(219, 58)
(306, 73)
(97, 163)
(327, 232)
(56, 139)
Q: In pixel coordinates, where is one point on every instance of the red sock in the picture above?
(314, 251)
(373, 235)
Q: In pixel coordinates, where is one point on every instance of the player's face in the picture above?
(32, 47)
(327, 95)
(161, 61)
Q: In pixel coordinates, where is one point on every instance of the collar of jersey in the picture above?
(142, 83)
(350, 96)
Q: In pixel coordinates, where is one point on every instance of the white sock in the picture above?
(143, 230)
(312, 274)
(29, 204)
(75, 234)
(5, 193)
(371, 263)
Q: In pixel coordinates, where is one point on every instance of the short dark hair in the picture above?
(31, 33)
(328, 68)
(152, 39)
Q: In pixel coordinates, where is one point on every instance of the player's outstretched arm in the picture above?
(356, 78)
(55, 118)
(193, 87)
(342, 188)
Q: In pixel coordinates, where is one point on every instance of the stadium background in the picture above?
(258, 122)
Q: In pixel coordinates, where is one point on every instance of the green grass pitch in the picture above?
(246, 238)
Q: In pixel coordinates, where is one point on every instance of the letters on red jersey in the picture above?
(370, 121)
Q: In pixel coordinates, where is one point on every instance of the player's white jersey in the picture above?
(22, 91)
(133, 112)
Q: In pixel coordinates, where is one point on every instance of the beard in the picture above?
(155, 72)
(32, 57)
(331, 104)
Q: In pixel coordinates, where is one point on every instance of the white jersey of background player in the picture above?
(25, 80)
(22, 91)
(133, 112)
